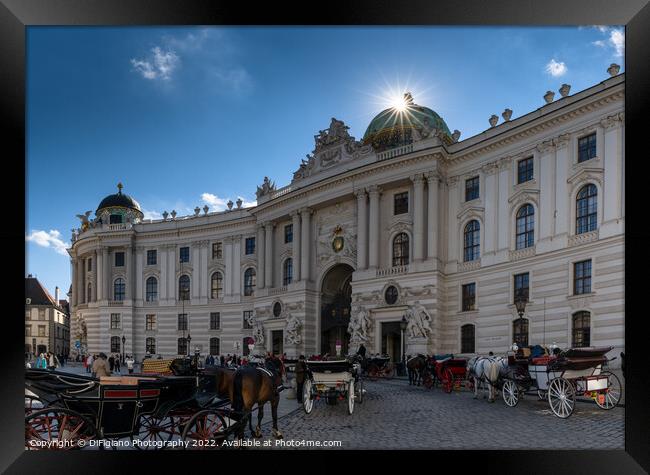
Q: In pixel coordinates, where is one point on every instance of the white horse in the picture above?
(487, 369)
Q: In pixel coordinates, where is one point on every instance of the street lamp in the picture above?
(189, 341)
(123, 344)
(520, 304)
(402, 326)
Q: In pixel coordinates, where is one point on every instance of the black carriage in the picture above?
(150, 410)
(379, 367)
(576, 372)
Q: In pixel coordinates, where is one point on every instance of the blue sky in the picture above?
(194, 116)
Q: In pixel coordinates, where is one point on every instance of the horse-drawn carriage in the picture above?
(332, 381)
(449, 372)
(561, 378)
(379, 367)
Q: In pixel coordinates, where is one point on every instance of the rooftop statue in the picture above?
(84, 220)
(267, 187)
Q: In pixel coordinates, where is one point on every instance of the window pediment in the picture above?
(476, 211)
(524, 195)
(586, 174)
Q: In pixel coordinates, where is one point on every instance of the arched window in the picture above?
(525, 226)
(89, 293)
(287, 271)
(401, 250)
(214, 346)
(586, 209)
(249, 281)
(184, 289)
(115, 344)
(216, 291)
(472, 241)
(118, 289)
(581, 329)
(152, 289)
(520, 332)
(467, 339)
(151, 345)
(182, 346)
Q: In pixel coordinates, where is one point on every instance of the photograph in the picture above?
(325, 237)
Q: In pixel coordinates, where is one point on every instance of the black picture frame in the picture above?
(16, 15)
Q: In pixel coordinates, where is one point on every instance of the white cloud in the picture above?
(220, 204)
(617, 40)
(555, 68)
(235, 79)
(151, 214)
(247, 204)
(159, 65)
(600, 43)
(49, 239)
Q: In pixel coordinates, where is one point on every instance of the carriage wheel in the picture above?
(469, 384)
(510, 393)
(206, 429)
(307, 397)
(541, 395)
(33, 404)
(447, 380)
(389, 372)
(612, 394)
(373, 373)
(561, 397)
(359, 391)
(61, 428)
(153, 430)
(427, 379)
(351, 397)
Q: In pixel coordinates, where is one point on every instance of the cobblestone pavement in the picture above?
(395, 415)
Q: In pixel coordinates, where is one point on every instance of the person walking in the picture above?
(111, 362)
(222, 360)
(100, 366)
(118, 365)
(129, 363)
(89, 363)
(301, 371)
(361, 351)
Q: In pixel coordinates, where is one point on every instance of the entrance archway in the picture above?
(336, 298)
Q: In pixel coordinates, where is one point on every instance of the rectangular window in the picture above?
(401, 203)
(525, 170)
(182, 321)
(586, 148)
(471, 189)
(521, 286)
(119, 259)
(182, 346)
(150, 322)
(217, 250)
(90, 264)
(467, 339)
(214, 346)
(152, 257)
(151, 346)
(582, 277)
(248, 315)
(250, 245)
(469, 297)
(288, 233)
(185, 254)
(41, 314)
(215, 321)
(41, 330)
(115, 321)
(28, 315)
(28, 330)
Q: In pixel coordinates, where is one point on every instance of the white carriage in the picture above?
(332, 381)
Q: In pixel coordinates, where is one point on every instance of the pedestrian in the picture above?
(129, 364)
(111, 362)
(361, 351)
(89, 363)
(100, 366)
(301, 370)
(118, 365)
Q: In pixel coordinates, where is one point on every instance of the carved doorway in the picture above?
(277, 337)
(336, 298)
(391, 341)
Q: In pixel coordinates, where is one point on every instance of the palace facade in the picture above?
(409, 222)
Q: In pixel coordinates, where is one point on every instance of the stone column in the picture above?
(268, 252)
(80, 280)
(611, 157)
(362, 229)
(432, 215)
(99, 274)
(295, 254)
(503, 211)
(162, 283)
(562, 162)
(373, 227)
(95, 278)
(305, 258)
(259, 250)
(172, 291)
(128, 257)
(229, 270)
(196, 270)
(236, 265)
(75, 287)
(203, 263)
(139, 266)
(107, 273)
(546, 153)
(490, 224)
(418, 217)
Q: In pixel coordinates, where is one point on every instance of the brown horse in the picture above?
(415, 366)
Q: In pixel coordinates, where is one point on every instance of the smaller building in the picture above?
(47, 320)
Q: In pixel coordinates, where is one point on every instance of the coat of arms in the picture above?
(338, 242)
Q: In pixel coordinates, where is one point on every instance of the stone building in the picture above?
(408, 222)
(47, 320)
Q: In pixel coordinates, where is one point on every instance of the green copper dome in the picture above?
(392, 127)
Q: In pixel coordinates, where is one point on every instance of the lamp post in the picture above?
(520, 304)
(189, 341)
(123, 345)
(402, 327)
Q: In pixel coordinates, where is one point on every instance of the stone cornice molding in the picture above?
(612, 121)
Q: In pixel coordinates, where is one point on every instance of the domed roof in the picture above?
(399, 123)
(119, 200)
